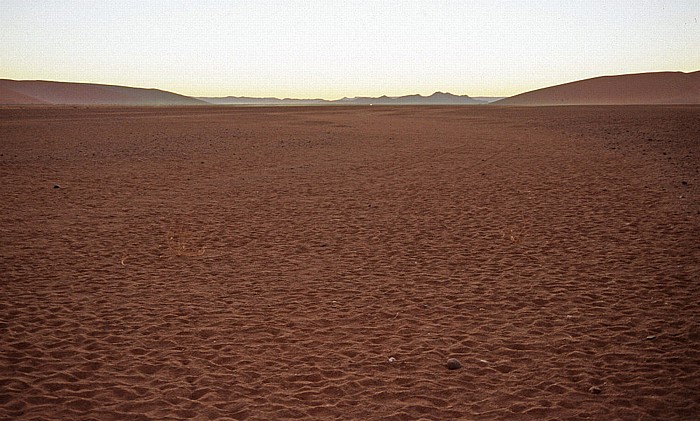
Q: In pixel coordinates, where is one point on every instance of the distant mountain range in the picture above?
(37, 92)
(641, 88)
(438, 98)
(631, 89)
(245, 100)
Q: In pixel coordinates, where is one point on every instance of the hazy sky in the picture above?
(339, 48)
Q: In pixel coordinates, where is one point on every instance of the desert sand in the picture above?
(631, 89)
(41, 92)
(320, 263)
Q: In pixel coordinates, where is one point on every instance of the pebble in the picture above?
(651, 337)
(392, 359)
(595, 390)
(56, 186)
(453, 364)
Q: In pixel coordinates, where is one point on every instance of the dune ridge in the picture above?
(25, 92)
(658, 88)
(631, 89)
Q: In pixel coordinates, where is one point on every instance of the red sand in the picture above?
(632, 89)
(263, 263)
(17, 92)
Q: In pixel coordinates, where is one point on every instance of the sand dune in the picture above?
(324, 263)
(13, 92)
(632, 89)
(11, 97)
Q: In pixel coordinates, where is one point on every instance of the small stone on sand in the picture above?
(453, 364)
(56, 186)
(595, 390)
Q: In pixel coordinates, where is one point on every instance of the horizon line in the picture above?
(338, 98)
(248, 96)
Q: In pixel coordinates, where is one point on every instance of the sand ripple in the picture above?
(267, 263)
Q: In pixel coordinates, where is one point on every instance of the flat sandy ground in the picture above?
(266, 263)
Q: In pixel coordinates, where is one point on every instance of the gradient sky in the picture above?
(332, 49)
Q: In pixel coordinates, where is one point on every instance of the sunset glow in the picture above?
(334, 49)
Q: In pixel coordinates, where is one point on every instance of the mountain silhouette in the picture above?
(438, 98)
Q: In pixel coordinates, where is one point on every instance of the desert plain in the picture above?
(325, 262)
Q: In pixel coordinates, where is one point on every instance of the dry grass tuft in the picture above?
(179, 243)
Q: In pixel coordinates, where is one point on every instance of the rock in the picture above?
(392, 359)
(595, 390)
(56, 186)
(651, 337)
(453, 364)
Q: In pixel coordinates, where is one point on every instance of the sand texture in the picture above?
(321, 263)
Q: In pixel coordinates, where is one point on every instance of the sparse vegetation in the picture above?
(179, 243)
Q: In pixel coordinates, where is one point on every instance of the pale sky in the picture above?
(331, 49)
